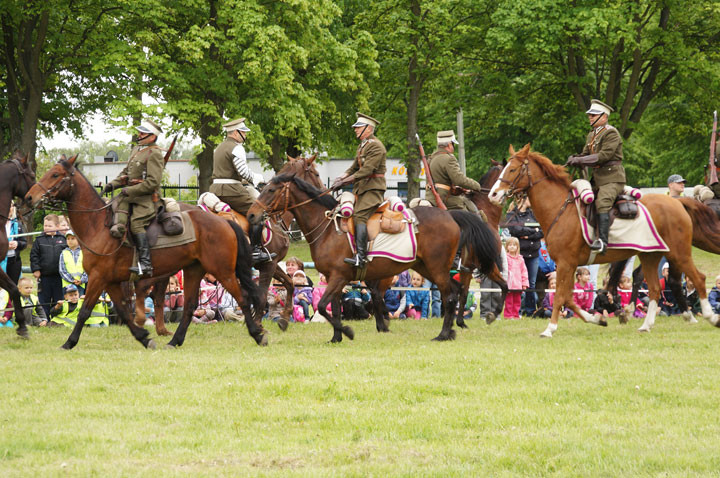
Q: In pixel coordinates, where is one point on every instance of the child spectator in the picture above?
(625, 290)
(355, 298)
(692, 297)
(277, 298)
(668, 303)
(66, 311)
(12, 264)
(549, 301)
(417, 301)
(6, 311)
(302, 297)
(395, 301)
(71, 264)
(606, 304)
(584, 298)
(293, 264)
(714, 296)
(149, 307)
(44, 261)
(174, 301)
(517, 278)
(208, 301)
(34, 313)
(317, 295)
(63, 225)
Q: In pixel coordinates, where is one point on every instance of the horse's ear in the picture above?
(24, 159)
(526, 149)
(289, 158)
(72, 159)
(494, 163)
(511, 150)
(310, 160)
(504, 163)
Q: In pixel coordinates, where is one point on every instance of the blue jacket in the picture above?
(419, 299)
(393, 299)
(714, 298)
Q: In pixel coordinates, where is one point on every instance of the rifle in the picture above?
(428, 176)
(713, 171)
(172, 145)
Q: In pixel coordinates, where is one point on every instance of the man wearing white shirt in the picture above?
(233, 182)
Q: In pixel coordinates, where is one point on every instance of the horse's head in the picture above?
(304, 168)
(26, 176)
(284, 193)
(55, 185)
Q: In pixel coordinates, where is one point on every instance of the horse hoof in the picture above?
(462, 325)
(644, 329)
(151, 345)
(445, 337)
(623, 319)
(283, 324)
(546, 335)
(23, 333)
(170, 346)
(490, 318)
(602, 323)
(66, 346)
(348, 332)
(263, 342)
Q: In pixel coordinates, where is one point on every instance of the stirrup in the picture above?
(260, 256)
(599, 245)
(354, 261)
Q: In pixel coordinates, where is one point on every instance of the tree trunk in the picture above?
(415, 86)
(205, 157)
(277, 157)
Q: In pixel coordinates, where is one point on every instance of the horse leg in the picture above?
(496, 276)
(377, 293)
(192, 276)
(252, 321)
(675, 283)
(332, 294)
(465, 278)
(449, 290)
(117, 294)
(649, 264)
(158, 295)
(563, 296)
(14, 294)
(290, 288)
(140, 291)
(698, 279)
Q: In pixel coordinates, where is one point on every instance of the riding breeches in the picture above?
(142, 214)
(366, 204)
(606, 196)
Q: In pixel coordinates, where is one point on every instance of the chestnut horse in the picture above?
(16, 179)
(548, 187)
(220, 248)
(288, 191)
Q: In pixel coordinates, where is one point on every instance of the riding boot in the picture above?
(143, 248)
(361, 239)
(600, 244)
(456, 264)
(259, 255)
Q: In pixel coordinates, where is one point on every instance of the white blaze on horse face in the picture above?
(496, 197)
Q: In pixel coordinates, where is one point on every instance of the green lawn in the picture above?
(498, 401)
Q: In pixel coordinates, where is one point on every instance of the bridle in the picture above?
(26, 173)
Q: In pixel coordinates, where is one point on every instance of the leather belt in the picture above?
(377, 175)
(226, 181)
(442, 186)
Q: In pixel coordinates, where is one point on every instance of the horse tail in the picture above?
(706, 225)
(480, 239)
(243, 268)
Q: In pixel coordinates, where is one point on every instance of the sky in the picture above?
(96, 129)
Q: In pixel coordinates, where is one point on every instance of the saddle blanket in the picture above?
(400, 247)
(163, 241)
(639, 234)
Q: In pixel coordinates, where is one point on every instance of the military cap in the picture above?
(238, 124)
(444, 137)
(365, 120)
(597, 107)
(150, 127)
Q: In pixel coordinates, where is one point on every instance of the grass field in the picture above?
(498, 401)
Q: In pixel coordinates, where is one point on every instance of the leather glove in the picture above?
(340, 182)
(124, 192)
(573, 161)
(108, 187)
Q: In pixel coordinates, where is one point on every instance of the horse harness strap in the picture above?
(562, 210)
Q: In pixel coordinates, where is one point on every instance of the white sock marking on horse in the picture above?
(689, 317)
(649, 318)
(590, 318)
(551, 328)
(707, 311)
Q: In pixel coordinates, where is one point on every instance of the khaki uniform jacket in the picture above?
(147, 164)
(445, 169)
(369, 162)
(224, 168)
(607, 144)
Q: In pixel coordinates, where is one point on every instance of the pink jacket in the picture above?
(584, 300)
(318, 292)
(517, 272)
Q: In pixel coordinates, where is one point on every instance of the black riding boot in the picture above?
(259, 255)
(456, 263)
(361, 239)
(143, 248)
(600, 244)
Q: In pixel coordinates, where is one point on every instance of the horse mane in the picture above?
(553, 172)
(66, 164)
(325, 200)
(488, 173)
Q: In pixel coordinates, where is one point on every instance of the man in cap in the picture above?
(140, 181)
(233, 182)
(602, 153)
(446, 173)
(367, 175)
(676, 186)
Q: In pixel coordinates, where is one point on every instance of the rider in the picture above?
(445, 172)
(233, 182)
(140, 181)
(603, 153)
(367, 175)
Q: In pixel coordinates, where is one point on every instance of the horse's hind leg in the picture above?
(496, 276)
(675, 283)
(332, 295)
(465, 278)
(192, 276)
(252, 321)
(698, 279)
(14, 294)
(158, 295)
(289, 288)
(449, 291)
(117, 294)
(649, 268)
(377, 293)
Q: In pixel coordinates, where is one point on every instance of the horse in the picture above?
(548, 187)
(312, 208)
(279, 244)
(16, 179)
(220, 248)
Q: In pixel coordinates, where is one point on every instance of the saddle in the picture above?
(383, 219)
(211, 203)
(624, 207)
(167, 221)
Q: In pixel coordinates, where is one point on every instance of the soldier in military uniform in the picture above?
(140, 180)
(233, 182)
(715, 186)
(445, 172)
(367, 175)
(603, 153)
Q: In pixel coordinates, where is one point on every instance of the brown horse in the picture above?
(220, 248)
(548, 187)
(16, 179)
(279, 244)
(311, 207)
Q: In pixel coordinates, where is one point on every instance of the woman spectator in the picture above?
(12, 264)
(524, 226)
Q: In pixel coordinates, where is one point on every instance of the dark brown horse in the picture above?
(548, 187)
(220, 248)
(288, 191)
(16, 179)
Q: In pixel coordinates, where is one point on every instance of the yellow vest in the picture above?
(75, 269)
(30, 301)
(69, 319)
